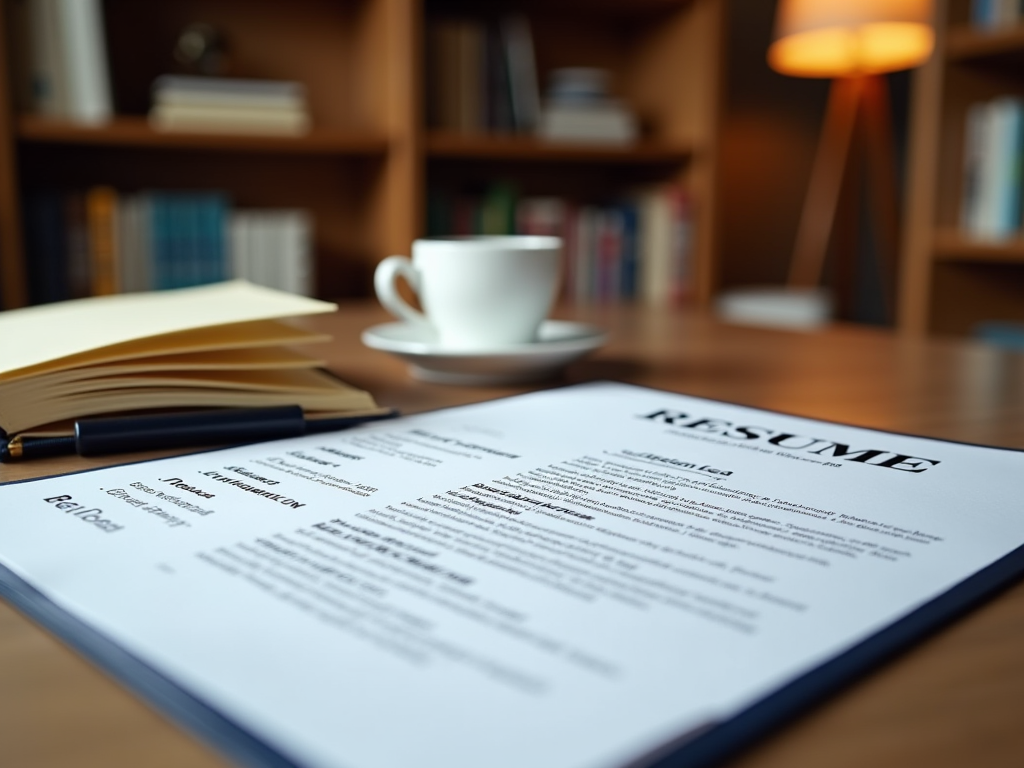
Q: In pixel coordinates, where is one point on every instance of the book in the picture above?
(993, 159)
(595, 576)
(457, 75)
(666, 225)
(522, 72)
(218, 345)
(184, 90)
(82, 41)
(46, 243)
(134, 243)
(579, 108)
(47, 73)
(481, 75)
(638, 247)
(69, 75)
(273, 247)
(229, 105)
(101, 205)
(76, 233)
(604, 122)
(229, 119)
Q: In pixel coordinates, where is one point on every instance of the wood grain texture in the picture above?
(952, 701)
(133, 131)
(13, 272)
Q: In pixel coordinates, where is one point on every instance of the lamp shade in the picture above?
(841, 38)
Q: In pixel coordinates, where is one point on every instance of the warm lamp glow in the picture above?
(841, 38)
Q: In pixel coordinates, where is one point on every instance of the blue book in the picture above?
(190, 239)
(164, 245)
(630, 256)
(212, 215)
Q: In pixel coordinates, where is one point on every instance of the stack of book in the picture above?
(481, 77)
(229, 105)
(100, 242)
(580, 108)
(993, 159)
(638, 248)
(60, 57)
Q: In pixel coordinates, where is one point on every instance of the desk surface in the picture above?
(954, 700)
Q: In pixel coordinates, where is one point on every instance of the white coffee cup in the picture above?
(477, 293)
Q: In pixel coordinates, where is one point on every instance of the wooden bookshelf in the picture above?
(951, 282)
(364, 170)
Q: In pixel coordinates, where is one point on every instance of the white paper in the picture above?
(570, 578)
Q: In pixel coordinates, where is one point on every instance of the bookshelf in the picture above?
(365, 169)
(951, 280)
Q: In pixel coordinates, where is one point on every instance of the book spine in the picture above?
(498, 210)
(48, 79)
(498, 96)
(1014, 167)
(471, 82)
(260, 241)
(974, 158)
(213, 258)
(81, 35)
(46, 241)
(629, 256)
(239, 253)
(656, 248)
(998, 215)
(682, 245)
(159, 241)
(584, 261)
(522, 68)
(101, 216)
(127, 245)
(439, 213)
(442, 75)
(20, 37)
(144, 244)
(297, 252)
(77, 234)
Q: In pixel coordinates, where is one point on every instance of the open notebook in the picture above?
(220, 345)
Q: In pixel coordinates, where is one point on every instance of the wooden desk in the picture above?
(953, 701)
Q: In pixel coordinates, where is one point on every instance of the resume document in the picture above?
(573, 578)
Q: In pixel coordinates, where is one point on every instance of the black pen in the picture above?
(227, 426)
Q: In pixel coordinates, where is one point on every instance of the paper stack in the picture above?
(229, 105)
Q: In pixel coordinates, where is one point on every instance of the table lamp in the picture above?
(854, 42)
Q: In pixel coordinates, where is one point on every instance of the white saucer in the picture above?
(560, 342)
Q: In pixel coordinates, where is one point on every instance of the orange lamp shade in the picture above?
(842, 38)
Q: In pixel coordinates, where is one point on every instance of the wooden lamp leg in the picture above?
(826, 183)
(882, 195)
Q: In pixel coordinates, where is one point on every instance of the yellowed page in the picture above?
(151, 351)
(35, 335)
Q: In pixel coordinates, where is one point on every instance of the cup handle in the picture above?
(387, 291)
